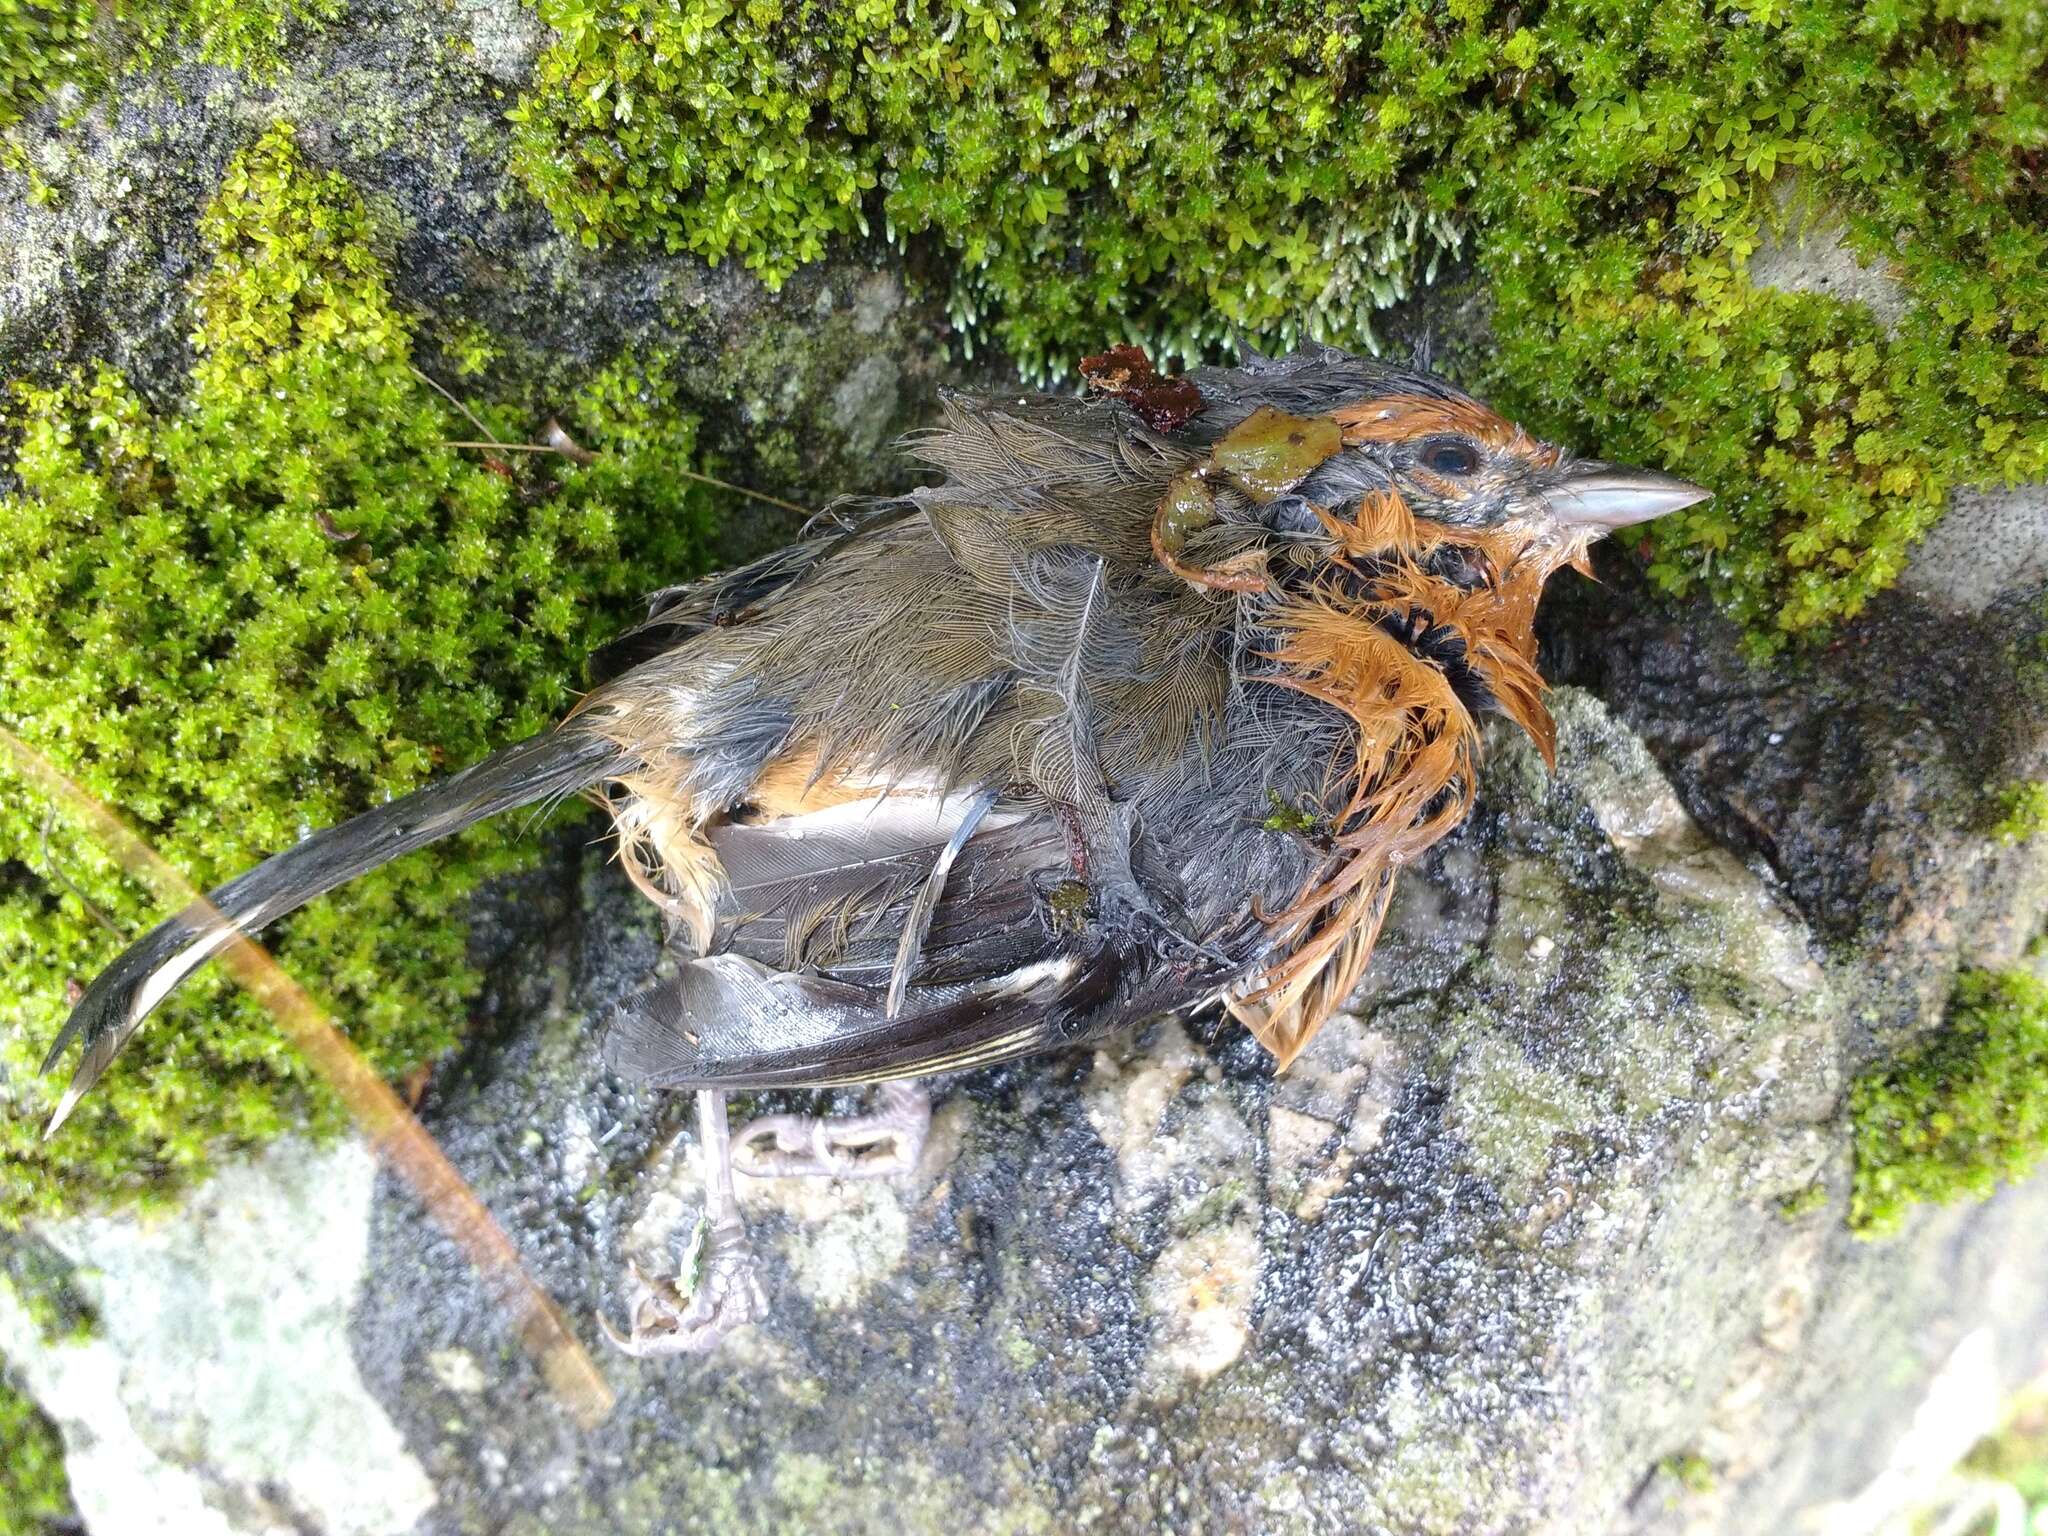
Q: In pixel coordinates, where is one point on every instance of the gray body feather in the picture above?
(1008, 632)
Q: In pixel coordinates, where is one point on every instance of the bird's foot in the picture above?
(872, 1146)
(717, 1291)
(718, 1288)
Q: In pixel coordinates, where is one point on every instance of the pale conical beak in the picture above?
(1610, 496)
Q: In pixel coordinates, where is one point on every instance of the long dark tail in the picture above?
(126, 992)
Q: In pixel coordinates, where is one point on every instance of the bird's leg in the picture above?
(664, 1317)
(871, 1146)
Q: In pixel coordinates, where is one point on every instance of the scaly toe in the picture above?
(661, 1320)
(799, 1146)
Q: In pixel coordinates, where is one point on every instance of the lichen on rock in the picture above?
(218, 1395)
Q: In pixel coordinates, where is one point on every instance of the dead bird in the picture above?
(1142, 707)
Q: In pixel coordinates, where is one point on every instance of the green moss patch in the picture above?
(267, 606)
(42, 44)
(45, 44)
(35, 1495)
(1690, 1470)
(1959, 1113)
(1171, 172)
(2017, 1454)
(2022, 812)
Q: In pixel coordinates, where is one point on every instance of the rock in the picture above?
(1199, 1295)
(1862, 778)
(218, 1392)
(1990, 544)
(504, 38)
(1512, 1238)
(1807, 251)
(408, 102)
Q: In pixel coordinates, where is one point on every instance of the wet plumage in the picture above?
(1135, 709)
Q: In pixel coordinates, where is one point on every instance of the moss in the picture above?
(1288, 818)
(267, 607)
(1212, 1206)
(35, 1495)
(1174, 172)
(1959, 1113)
(2023, 812)
(42, 44)
(2017, 1454)
(45, 44)
(41, 1283)
(1803, 1202)
(805, 1482)
(1690, 1470)
(241, 34)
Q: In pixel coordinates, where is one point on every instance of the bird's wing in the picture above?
(908, 934)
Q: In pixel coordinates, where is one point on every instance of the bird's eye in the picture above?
(1450, 457)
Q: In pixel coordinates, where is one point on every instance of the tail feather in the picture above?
(124, 994)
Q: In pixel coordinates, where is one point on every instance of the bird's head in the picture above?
(1336, 430)
(1458, 463)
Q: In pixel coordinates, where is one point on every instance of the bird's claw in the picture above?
(875, 1146)
(662, 1319)
(716, 1288)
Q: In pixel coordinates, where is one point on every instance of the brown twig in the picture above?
(440, 389)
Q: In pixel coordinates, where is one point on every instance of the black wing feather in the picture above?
(728, 1022)
(993, 977)
(122, 996)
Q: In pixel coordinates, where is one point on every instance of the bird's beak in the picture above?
(1610, 496)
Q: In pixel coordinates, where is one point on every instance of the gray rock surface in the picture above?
(1863, 778)
(217, 1392)
(1990, 544)
(1806, 250)
(1864, 775)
